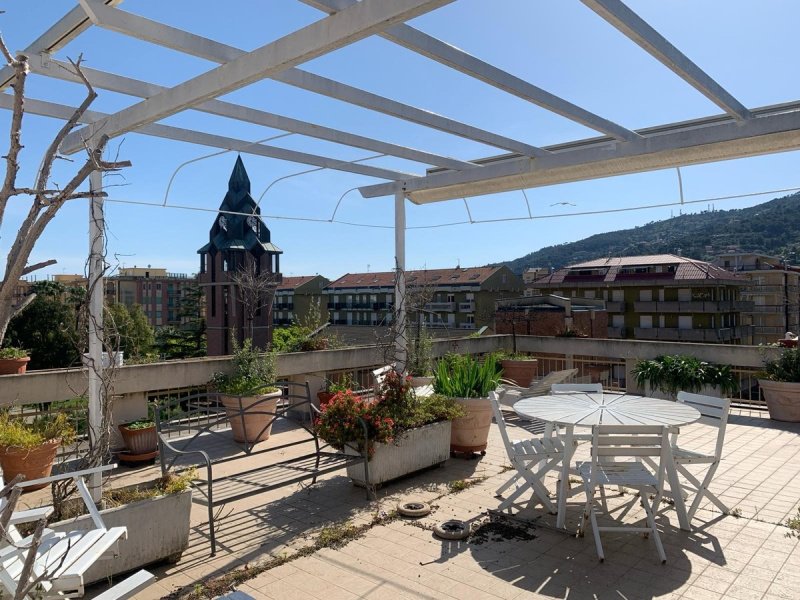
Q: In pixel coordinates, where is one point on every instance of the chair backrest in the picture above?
(564, 388)
(542, 387)
(630, 441)
(715, 410)
(494, 400)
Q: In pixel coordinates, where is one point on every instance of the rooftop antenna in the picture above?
(367, 267)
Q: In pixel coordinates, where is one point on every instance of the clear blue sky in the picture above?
(559, 45)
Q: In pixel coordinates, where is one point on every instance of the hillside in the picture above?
(770, 228)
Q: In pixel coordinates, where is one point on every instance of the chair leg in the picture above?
(651, 521)
(596, 530)
(702, 490)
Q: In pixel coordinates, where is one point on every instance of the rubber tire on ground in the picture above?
(414, 508)
(452, 530)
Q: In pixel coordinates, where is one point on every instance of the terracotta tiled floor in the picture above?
(749, 557)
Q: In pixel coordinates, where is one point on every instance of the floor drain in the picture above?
(414, 509)
(452, 530)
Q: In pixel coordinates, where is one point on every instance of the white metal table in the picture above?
(579, 409)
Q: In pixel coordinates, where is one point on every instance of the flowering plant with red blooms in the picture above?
(344, 418)
(386, 417)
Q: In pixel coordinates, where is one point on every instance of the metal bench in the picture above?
(194, 431)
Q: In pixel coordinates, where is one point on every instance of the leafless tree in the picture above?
(256, 291)
(47, 197)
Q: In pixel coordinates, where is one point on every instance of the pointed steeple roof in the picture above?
(244, 229)
(239, 181)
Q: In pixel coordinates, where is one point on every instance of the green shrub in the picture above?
(673, 373)
(461, 376)
(18, 433)
(784, 368)
(253, 372)
(10, 353)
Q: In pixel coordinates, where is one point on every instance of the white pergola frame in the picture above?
(737, 132)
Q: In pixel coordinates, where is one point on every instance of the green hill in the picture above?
(770, 228)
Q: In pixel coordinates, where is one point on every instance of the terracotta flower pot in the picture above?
(251, 421)
(324, 398)
(783, 399)
(521, 372)
(14, 366)
(139, 441)
(33, 463)
(471, 432)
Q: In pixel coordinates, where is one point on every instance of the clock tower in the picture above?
(239, 270)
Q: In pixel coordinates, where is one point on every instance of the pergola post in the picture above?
(95, 360)
(400, 279)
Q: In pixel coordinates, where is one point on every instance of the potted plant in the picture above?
(781, 386)
(468, 382)
(248, 393)
(140, 440)
(406, 433)
(420, 359)
(670, 374)
(13, 361)
(29, 447)
(518, 368)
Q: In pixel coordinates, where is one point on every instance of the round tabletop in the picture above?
(605, 408)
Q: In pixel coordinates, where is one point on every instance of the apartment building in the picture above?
(296, 297)
(552, 315)
(532, 274)
(158, 292)
(774, 289)
(459, 298)
(659, 297)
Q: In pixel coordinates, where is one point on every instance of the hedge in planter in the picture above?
(672, 373)
(781, 386)
(29, 448)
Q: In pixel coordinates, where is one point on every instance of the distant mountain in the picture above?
(770, 228)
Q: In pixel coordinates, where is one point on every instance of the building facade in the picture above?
(299, 300)
(440, 298)
(158, 292)
(659, 297)
(532, 274)
(552, 315)
(774, 289)
(239, 271)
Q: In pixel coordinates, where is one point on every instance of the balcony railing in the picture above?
(441, 306)
(466, 325)
(615, 306)
(616, 332)
(603, 360)
(694, 306)
(674, 334)
(466, 306)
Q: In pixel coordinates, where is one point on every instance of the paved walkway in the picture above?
(745, 557)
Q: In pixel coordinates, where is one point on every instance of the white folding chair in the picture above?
(632, 442)
(715, 411)
(530, 458)
(62, 558)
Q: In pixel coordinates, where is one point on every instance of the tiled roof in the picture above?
(456, 276)
(687, 269)
(289, 283)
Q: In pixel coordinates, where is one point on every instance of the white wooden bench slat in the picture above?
(128, 588)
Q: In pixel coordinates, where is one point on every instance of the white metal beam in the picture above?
(775, 129)
(142, 89)
(60, 111)
(60, 34)
(455, 58)
(326, 35)
(177, 39)
(640, 32)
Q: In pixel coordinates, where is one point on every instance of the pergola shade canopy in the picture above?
(737, 131)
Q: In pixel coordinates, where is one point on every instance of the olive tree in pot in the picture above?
(672, 373)
(781, 386)
(468, 381)
(249, 393)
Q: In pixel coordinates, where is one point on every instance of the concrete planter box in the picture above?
(158, 529)
(783, 399)
(706, 390)
(418, 449)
